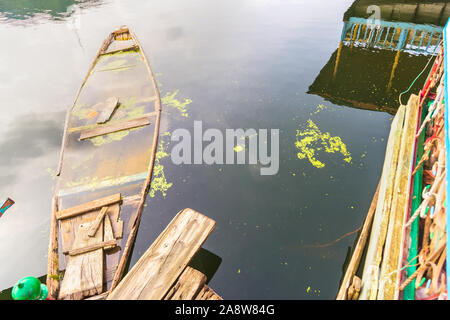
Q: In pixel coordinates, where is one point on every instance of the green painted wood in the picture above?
(410, 291)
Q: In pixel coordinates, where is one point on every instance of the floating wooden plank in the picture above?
(187, 286)
(115, 127)
(161, 265)
(360, 245)
(207, 294)
(89, 206)
(93, 247)
(108, 108)
(399, 207)
(98, 220)
(84, 272)
(381, 218)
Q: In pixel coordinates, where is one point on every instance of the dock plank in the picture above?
(161, 265)
(187, 286)
(206, 293)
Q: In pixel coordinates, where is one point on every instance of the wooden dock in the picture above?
(162, 273)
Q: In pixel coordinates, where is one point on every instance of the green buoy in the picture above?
(29, 288)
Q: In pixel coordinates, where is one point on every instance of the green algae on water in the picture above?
(170, 100)
(312, 139)
(159, 181)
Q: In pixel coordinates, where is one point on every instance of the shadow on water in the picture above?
(206, 262)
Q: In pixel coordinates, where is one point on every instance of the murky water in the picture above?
(230, 64)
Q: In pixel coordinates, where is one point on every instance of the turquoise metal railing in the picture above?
(420, 38)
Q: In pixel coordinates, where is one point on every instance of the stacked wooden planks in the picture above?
(87, 231)
(162, 273)
(388, 210)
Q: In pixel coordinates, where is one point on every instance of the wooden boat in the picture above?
(105, 169)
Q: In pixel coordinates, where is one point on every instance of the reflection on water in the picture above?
(384, 46)
(233, 64)
(363, 77)
(44, 9)
(434, 12)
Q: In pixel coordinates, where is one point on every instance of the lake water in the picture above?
(230, 64)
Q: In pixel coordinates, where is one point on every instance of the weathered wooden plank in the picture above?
(108, 108)
(89, 206)
(84, 272)
(93, 126)
(52, 266)
(114, 127)
(206, 293)
(381, 218)
(187, 286)
(392, 247)
(109, 273)
(101, 296)
(108, 233)
(98, 220)
(116, 223)
(93, 247)
(358, 252)
(161, 265)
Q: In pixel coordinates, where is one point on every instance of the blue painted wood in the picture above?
(374, 32)
(429, 41)
(387, 33)
(5, 206)
(359, 31)
(421, 39)
(365, 34)
(392, 38)
(344, 30)
(401, 25)
(402, 39)
(413, 37)
(447, 140)
(380, 32)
